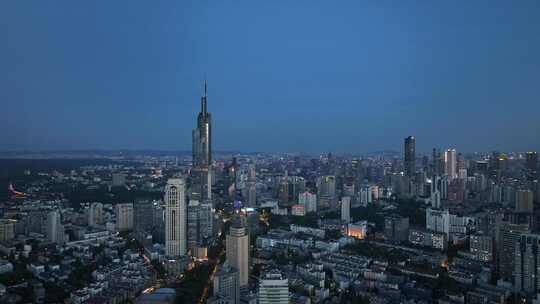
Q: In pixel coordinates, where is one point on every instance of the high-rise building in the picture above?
(192, 225)
(55, 229)
(532, 165)
(346, 209)
(309, 201)
(481, 246)
(396, 228)
(326, 186)
(175, 218)
(410, 156)
(273, 288)
(509, 235)
(227, 284)
(143, 219)
(202, 154)
(524, 201)
(95, 214)
(237, 249)
(124, 216)
(251, 194)
(526, 261)
(158, 228)
(199, 223)
(450, 160)
(7, 229)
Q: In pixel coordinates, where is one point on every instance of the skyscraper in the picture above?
(124, 216)
(509, 235)
(326, 186)
(532, 165)
(526, 259)
(199, 223)
(175, 218)
(410, 156)
(309, 201)
(95, 214)
(450, 160)
(524, 201)
(202, 154)
(346, 209)
(143, 218)
(226, 284)
(237, 249)
(55, 229)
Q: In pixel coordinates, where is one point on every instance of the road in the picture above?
(211, 276)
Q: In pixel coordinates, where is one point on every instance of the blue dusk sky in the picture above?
(344, 76)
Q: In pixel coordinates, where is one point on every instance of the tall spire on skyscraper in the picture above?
(203, 99)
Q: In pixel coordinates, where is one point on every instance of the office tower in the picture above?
(526, 261)
(192, 225)
(227, 284)
(497, 165)
(143, 218)
(237, 249)
(124, 216)
(206, 220)
(437, 164)
(524, 201)
(118, 179)
(481, 246)
(346, 209)
(460, 162)
(531, 164)
(326, 186)
(273, 288)
(55, 229)
(175, 218)
(199, 223)
(296, 186)
(309, 201)
(450, 161)
(410, 156)
(396, 228)
(7, 229)
(509, 235)
(158, 228)
(202, 154)
(251, 194)
(95, 214)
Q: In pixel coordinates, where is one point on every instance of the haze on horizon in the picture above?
(282, 76)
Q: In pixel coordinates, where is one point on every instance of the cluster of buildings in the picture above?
(444, 226)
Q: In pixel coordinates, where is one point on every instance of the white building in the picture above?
(443, 221)
(175, 218)
(450, 161)
(273, 289)
(55, 229)
(237, 250)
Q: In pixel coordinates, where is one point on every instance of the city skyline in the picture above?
(360, 80)
(347, 152)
